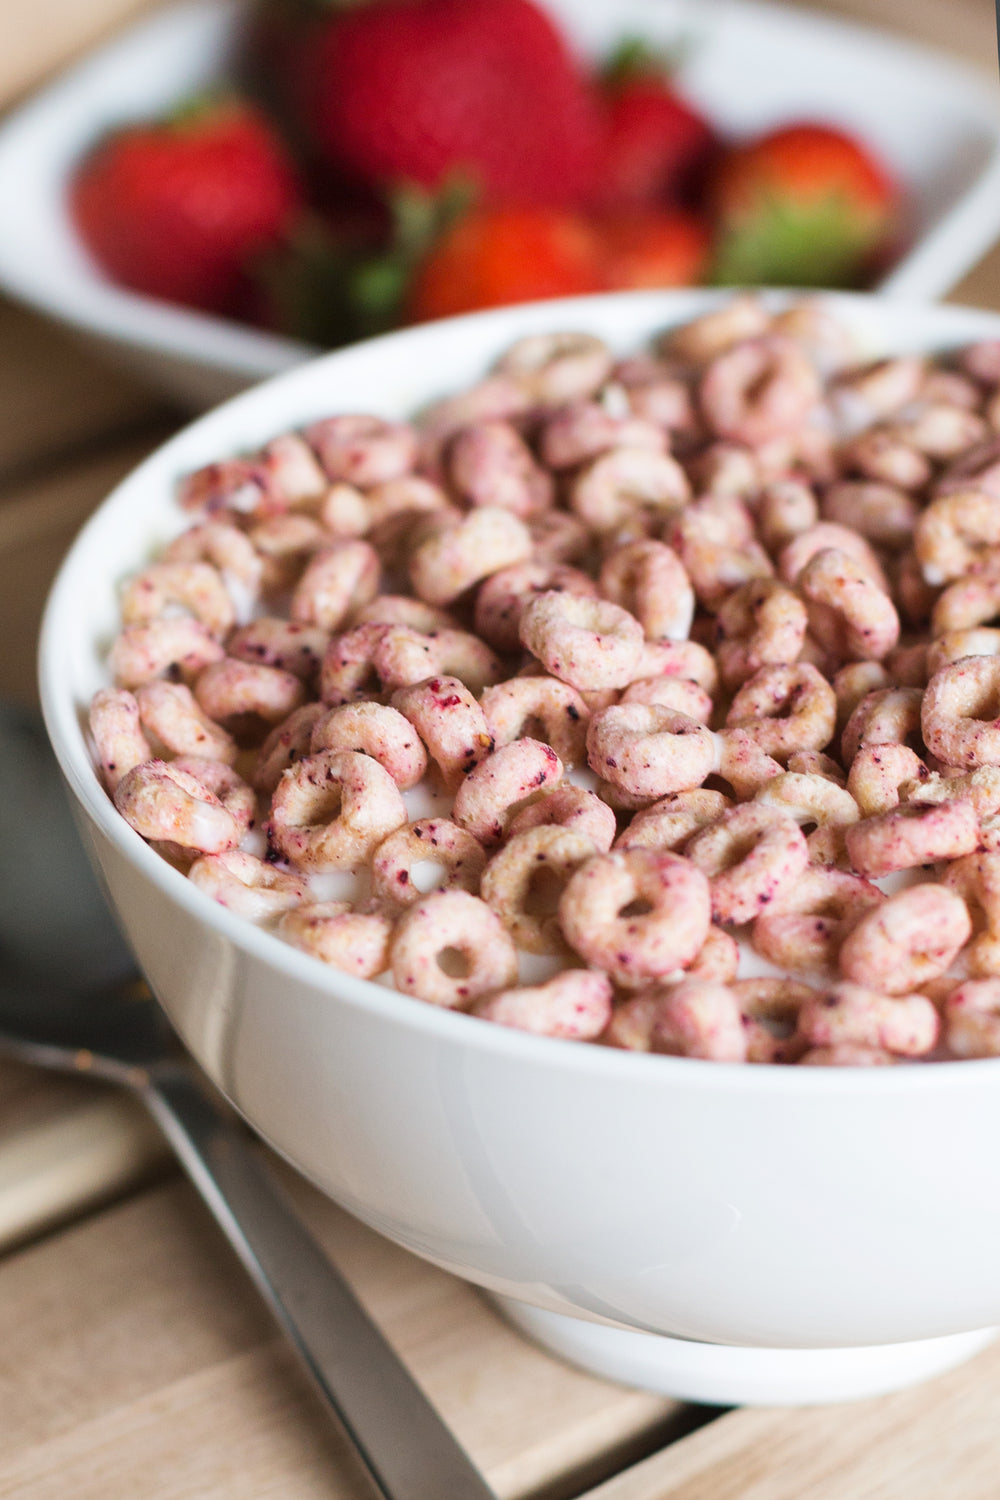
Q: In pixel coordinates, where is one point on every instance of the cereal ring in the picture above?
(228, 549)
(648, 579)
(979, 469)
(911, 835)
(785, 508)
(455, 554)
(568, 807)
(697, 1018)
(718, 958)
(955, 534)
(376, 730)
(588, 643)
(495, 396)
(348, 672)
(429, 849)
(344, 512)
(450, 949)
(879, 389)
(886, 454)
(631, 1023)
(803, 548)
(170, 712)
(803, 929)
(888, 716)
(877, 773)
(557, 537)
(164, 588)
(959, 712)
(848, 614)
(908, 939)
(854, 682)
(743, 763)
(981, 788)
(330, 811)
(760, 623)
(219, 778)
(972, 1019)
(525, 880)
(555, 368)
(544, 709)
(234, 690)
(715, 541)
(751, 856)
(976, 880)
(669, 823)
(402, 657)
(400, 609)
(281, 643)
(163, 647)
(582, 429)
(162, 802)
(726, 469)
(679, 693)
(285, 544)
(967, 603)
(489, 463)
(649, 751)
(115, 725)
(450, 722)
(852, 1014)
(983, 640)
(784, 709)
(290, 472)
(575, 1005)
(760, 388)
(706, 337)
(247, 886)
(396, 511)
(881, 513)
(288, 742)
(666, 931)
(770, 1010)
(812, 799)
(501, 598)
(355, 941)
(363, 450)
(907, 665)
(611, 487)
(489, 796)
(338, 580)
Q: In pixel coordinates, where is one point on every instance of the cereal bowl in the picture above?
(720, 1232)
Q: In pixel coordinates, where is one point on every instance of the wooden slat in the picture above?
(135, 1360)
(44, 36)
(966, 28)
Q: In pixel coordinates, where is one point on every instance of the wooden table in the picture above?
(134, 1359)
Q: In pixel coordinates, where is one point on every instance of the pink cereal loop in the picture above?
(400, 609)
(877, 773)
(814, 799)
(525, 880)
(376, 730)
(583, 429)
(455, 554)
(770, 1011)
(976, 881)
(348, 671)
(670, 822)
(344, 511)
(450, 722)
(714, 538)
(544, 709)
(959, 713)
(677, 659)
(758, 389)
(219, 778)
(274, 642)
(784, 709)
(230, 689)
(678, 693)
(247, 886)
(972, 1019)
(624, 480)
(558, 537)
(786, 508)
(825, 534)
(649, 580)
(706, 337)
(451, 930)
(697, 1018)
(117, 731)
(288, 742)
(759, 624)
(803, 929)
(489, 463)
(554, 368)
(402, 657)
(955, 534)
(491, 793)
(575, 1006)
(649, 751)
(881, 513)
(594, 913)
(718, 958)
(911, 835)
(751, 856)
(453, 858)
(172, 715)
(142, 652)
(569, 807)
(980, 788)
(853, 1014)
(330, 811)
(355, 941)
(363, 450)
(982, 640)
(848, 614)
(854, 682)
(887, 454)
(225, 546)
(908, 939)
(887, 716)
(338, 580)
(161, 801)
(196, 587)
(501, 598)
(967, 603)
(588, 643)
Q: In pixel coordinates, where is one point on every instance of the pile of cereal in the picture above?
(605, 661)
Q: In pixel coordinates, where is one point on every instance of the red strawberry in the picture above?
(419, 90)
(179, 208)
(500, 255)
(805, 205)
(655, 147)
(651, 249)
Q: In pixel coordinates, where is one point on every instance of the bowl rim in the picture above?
(63, 714)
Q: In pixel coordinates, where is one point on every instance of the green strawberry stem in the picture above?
(634, 57)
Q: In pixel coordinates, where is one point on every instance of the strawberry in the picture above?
(493, 256)
(655, 147)
(805, 205)
(651, 249)
(418, 90)
(179, 208)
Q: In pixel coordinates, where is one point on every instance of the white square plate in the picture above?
(751, 66)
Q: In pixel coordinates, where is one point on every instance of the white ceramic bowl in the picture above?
(752, 65)
(795, 1209)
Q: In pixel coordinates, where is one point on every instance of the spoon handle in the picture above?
(405, 1446)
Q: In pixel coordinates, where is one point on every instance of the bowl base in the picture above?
(731, 1375)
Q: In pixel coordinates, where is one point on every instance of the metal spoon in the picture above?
(70, 999)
